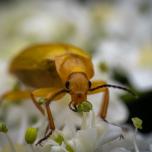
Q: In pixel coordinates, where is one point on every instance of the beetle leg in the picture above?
(50, 118)
(15, 95)
(51, 125)
(101, 86)
(42, 92)
(49, 99)
(44, 138)
(105, 103)
(36, 103)
(47, 129)
(95, 88)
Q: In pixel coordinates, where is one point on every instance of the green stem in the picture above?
(12, 148)
(31, 147)
(134, 141)
(93, 120)
(84, 120)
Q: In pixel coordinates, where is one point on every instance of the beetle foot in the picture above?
(113, 124)
(46, 130)
(121, 137)
(124, 129)
(44, 138)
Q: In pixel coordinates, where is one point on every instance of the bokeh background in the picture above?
(117, 33)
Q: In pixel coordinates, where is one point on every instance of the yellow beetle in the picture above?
(51, 71)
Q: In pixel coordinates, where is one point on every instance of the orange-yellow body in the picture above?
(49, 65)
(50, 71)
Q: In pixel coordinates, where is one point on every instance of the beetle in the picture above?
(51, 71)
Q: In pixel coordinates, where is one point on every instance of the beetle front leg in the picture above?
(96, 87)
(42, 92)
(51, 125)
(105, 104)
(105, 101)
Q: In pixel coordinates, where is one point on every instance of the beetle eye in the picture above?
(67, 84)
(89, 83)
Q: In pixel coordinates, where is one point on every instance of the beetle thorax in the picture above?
(78, 86)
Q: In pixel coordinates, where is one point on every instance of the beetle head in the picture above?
(78, 86)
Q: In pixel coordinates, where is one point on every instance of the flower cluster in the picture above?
(108, 32)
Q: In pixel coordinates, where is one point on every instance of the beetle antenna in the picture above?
(114, 86)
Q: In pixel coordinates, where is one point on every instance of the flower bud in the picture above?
(3, 127)
(137, 122)
(59, 139)
(69, 148)
(85, 106)
(41, 101)
(31, 135)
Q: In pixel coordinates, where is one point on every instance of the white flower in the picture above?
(51, 21)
